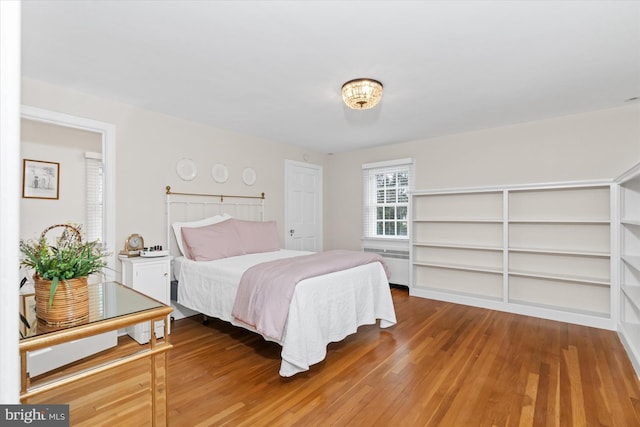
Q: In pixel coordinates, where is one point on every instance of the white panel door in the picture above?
(303, 206)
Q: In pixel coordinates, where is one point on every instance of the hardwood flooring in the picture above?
(441, 365)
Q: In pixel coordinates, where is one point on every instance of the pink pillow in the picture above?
(211, 242)
(177, 227)
(257, 236)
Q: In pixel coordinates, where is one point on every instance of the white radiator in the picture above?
(397, 262)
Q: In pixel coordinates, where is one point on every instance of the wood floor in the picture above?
(441, 365)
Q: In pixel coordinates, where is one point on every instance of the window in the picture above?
(386, 198)
(94, 175)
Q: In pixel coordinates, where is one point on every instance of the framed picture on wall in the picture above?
(40, 179)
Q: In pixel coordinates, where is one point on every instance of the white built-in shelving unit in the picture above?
(457, 244)
(541, 250)
(629, 264)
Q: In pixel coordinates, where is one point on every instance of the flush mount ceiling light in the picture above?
(362, 94)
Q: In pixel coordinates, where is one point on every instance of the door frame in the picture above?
(10, 82)
(108, 136)
(318, 168)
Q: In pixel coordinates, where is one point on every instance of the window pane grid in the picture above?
(386, 192)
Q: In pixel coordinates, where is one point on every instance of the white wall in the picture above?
(148, 146)
(596, 145)
(592, 145)
(9, 181)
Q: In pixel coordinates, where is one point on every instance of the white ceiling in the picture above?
(274, 68)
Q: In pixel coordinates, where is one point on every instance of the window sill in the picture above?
(386, 239)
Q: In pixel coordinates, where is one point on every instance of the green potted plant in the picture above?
(60, 273)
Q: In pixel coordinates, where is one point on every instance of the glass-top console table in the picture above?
(112, 306)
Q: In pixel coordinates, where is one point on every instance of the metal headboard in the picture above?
(195, 206)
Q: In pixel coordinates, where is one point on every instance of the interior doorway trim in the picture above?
(108, 136)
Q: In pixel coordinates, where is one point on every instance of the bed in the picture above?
(322, 309)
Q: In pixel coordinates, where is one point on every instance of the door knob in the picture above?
(291, 232)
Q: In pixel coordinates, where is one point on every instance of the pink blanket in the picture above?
(266, 289)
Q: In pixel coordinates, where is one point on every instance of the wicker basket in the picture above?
(71, 301)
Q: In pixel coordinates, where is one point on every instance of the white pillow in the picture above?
(177, 227)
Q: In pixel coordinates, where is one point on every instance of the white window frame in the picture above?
(370, 204)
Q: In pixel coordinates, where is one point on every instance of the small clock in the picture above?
(133, 245)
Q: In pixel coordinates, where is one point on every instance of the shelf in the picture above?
(481, 269)
(630, 334)
(560, 221)
(632, 261)
(458, 246)
(458, 220)
(560, 308)
(561, 277)
(561, 252)
(633, 295)
(630, 222)
(630, 337)
(445, 294)
(632, 328)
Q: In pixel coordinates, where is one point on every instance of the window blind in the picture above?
(386, 187)
(95, 199)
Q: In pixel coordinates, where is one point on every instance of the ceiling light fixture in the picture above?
(362, 94)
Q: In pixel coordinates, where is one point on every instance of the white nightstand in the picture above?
(152, 277)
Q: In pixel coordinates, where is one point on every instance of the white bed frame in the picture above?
(184, 207)
(181, 207)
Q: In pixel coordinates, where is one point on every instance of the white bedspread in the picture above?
(324, 309)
